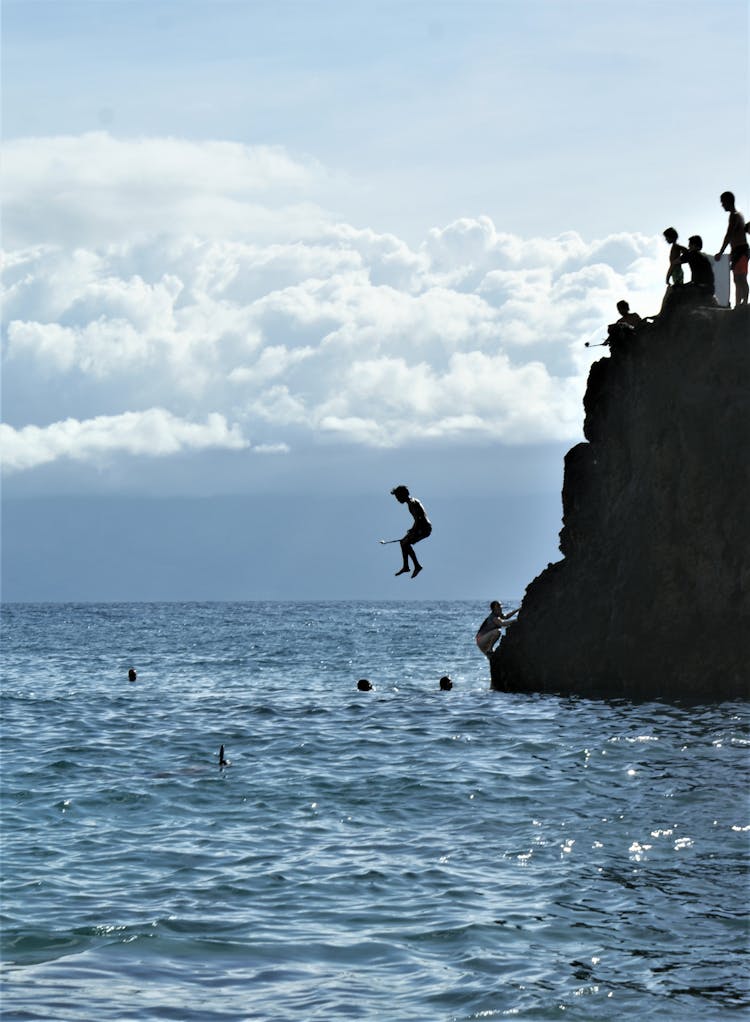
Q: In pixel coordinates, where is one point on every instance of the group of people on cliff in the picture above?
(702, 278)
(701, 270)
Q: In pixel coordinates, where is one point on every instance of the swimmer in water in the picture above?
(131, 674)
(363, 685)
(445, 684)
(222, 761)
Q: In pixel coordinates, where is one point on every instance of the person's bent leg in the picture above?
(405, 548)
(487, 640)
(494, 635)
(412, 554)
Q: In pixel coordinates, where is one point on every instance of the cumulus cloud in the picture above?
(154, 432)
(296, 329)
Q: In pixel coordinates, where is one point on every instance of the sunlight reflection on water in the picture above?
(400, 854)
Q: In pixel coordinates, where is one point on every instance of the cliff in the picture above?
(652, 597)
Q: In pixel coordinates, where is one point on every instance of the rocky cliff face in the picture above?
(652, 598)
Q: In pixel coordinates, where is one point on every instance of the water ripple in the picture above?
(403, 854)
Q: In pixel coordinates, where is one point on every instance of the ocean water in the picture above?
(401, 854)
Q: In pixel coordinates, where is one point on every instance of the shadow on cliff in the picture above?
(652, 597)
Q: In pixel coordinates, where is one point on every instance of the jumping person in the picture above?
(738, 248)
(421, 529)
(491, 627)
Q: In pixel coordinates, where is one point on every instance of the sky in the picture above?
(264, 261)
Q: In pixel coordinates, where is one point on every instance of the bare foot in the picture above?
(417, 569)
(401, 572)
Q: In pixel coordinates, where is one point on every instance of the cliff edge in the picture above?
(652, 597)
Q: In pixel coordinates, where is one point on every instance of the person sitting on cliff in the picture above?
(626, 316)
(738, 248)
(625, 325)
(701, 270)
(421, 529)
(490, 629)
(674, 273)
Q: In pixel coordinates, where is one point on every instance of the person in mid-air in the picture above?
(421, 529)
(490, 629)
(738, 248)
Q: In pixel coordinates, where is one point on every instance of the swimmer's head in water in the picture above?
(131, 674)
(364, 685)
(445, 684)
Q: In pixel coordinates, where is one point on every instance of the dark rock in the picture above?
(652, 598)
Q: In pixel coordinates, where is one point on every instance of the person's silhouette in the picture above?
(626, 316)
(738, 248)
(701, 270)
(421, 529)
(674, 272)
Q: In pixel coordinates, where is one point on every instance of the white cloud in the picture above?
(271, 449)
(318, 329)
(94, 188)
(154, 433)
(478, 395)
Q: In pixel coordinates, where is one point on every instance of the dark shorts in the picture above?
(418, 531)
(738, 259)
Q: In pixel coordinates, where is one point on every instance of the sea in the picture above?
(404, 854)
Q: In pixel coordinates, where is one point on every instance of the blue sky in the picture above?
(287, 255)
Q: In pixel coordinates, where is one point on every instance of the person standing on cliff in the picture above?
(738, 248)
(701, 270)
(674, 273)
(490, 629)
(421, 529)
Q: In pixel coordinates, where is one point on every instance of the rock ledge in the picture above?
(652, 597)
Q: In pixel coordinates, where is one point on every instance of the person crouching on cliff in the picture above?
(492, 626)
